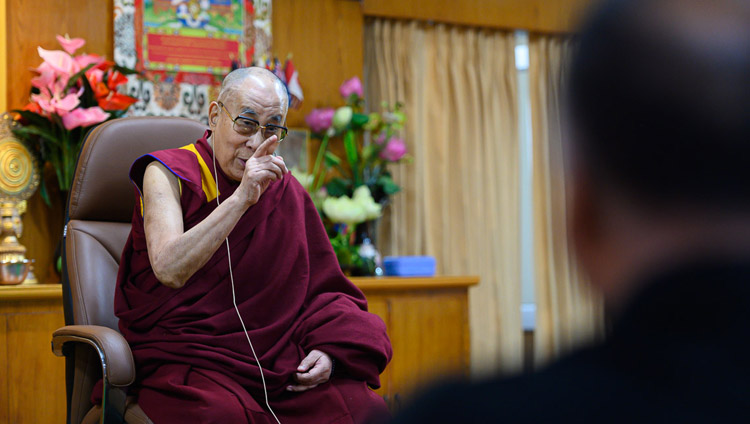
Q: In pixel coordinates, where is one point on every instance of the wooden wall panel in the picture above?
(532, 15)
(36, 23)
(325, 37)
(3, 57)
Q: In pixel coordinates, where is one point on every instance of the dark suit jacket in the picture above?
(680, 352)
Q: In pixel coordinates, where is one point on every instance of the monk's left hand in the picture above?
(315, 369)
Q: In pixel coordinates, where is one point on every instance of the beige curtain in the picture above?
(568, 314)
(460, 199)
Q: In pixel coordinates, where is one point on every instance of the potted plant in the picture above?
(70, 94)
(351, 192)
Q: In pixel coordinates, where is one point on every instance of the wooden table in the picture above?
(32, 379)
(427, 321)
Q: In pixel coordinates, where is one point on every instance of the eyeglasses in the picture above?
(248, 126)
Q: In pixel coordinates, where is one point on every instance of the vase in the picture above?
(366, 240)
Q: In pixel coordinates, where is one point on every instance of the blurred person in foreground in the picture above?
(658, 166)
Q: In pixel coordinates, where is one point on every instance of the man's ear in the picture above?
(213, 115)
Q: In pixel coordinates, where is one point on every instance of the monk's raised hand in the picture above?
(261, 170)
(267, 148)
(314, 370)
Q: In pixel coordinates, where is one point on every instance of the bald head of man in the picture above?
(251, 107)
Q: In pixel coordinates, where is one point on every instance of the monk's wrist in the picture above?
(238, 201)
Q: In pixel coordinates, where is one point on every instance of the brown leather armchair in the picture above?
(98, 216)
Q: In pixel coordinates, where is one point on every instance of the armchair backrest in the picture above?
(100, 209)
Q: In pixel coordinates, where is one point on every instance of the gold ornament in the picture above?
(19, 179)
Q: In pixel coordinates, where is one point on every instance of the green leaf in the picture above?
(407, 159)
(350, 146)
(359, 120)
(77, 75)
(338, 187)
(87, 98)
(114, 114)
(25, 132)
(332, 160)
(318, 179)
(33, 118)
(389, 186)
(370, 153)
(353, 99)
(125, 70)
(44, 193)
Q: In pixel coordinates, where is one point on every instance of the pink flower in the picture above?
(45, 80)
(70, 45)
(60, 61)
(85, 60)
(320, 120)
(351, 86)
(394, 150)
(56, 104)
(381, 139)
(84, 117)
(95, 76)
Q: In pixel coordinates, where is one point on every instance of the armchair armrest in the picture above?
(114, 352)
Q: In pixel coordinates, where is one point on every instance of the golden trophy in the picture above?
(19, 179)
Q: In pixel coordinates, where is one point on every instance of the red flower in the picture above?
(33, 107)
(116, 101)
(106, 94)
(115, 79)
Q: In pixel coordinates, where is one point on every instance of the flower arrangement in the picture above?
(351, 192)
(70, 94)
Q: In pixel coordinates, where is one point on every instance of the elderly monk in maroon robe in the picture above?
(319, 349)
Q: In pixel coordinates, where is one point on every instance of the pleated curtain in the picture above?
(460, 198)
(568, 313)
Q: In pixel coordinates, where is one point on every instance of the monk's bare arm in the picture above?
(176, 254)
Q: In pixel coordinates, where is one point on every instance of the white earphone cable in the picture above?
(234, 297)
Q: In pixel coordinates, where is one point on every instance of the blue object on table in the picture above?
(409, 266)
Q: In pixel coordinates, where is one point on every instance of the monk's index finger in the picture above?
(268, 146)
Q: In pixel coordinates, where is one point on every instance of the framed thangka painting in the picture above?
(183, 48)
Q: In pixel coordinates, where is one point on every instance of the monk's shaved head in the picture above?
(238, 80)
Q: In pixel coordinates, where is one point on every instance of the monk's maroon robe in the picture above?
(192, 359)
